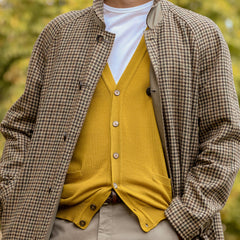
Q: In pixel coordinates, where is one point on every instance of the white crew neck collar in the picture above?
(127, 10)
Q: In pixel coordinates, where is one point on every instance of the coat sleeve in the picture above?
(18, 125)
(209, 182)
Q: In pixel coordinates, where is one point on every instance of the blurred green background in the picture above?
(21, 22)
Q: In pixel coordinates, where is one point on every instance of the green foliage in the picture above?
(22, 20)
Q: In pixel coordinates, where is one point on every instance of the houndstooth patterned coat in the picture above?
(195, 105)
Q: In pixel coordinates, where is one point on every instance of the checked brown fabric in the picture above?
(196, 101)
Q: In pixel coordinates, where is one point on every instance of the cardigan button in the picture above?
(115, 123)
(93, 207)
(82, 223)
(116, 92)
(115, 155)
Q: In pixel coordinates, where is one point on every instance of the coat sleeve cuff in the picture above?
(186, 224)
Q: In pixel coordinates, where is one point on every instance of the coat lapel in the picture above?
(155, 47)
(91, 71)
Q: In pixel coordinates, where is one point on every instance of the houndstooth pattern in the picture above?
(199, 106)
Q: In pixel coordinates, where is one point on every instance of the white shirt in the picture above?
(128, 24)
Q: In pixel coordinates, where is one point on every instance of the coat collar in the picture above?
(153, 18)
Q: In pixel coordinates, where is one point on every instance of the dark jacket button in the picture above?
(65, 137)
(100, 38)
(82, 223)
(148, 91)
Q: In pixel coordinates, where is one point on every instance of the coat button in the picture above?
(148, 91)
(82, 223)
(93, 207)
(100, 38)
(7, 182)
(65, 137)
(80, 85)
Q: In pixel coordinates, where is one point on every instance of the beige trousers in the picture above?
(112, 222)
